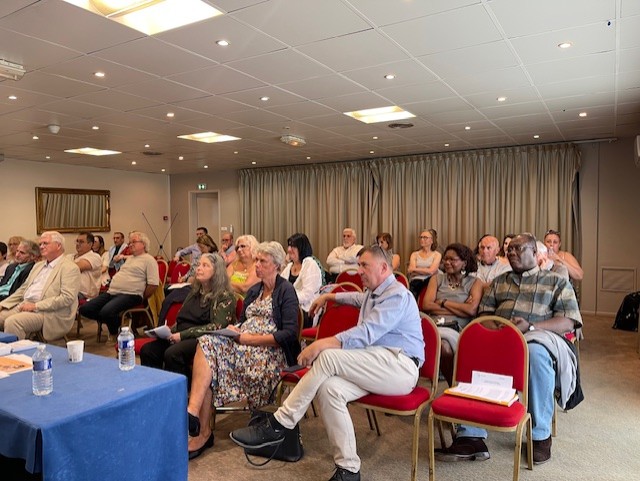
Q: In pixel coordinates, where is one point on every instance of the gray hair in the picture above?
(143, 237)
(55, 237)
(350, 230)
(249, 239)
(218, 284)
(32, 248)
(273, 249)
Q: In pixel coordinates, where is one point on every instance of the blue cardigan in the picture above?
(285, 315)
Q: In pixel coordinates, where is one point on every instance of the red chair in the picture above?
(178, 271)
(172, 315)
(502, 350)
(310, 334)
(421, 298)
(172, 265)
(401, 278)
(163, 268)
(350, 276)
(414, 403)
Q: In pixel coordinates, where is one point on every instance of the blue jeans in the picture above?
(542, 380)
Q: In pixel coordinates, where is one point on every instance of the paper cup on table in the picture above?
(75, 349)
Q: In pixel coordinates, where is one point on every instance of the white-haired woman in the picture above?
(248, 366)
(242, 271)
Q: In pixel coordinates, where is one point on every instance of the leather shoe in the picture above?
(194, 425)
(542, 451)
(464, 449)
(208, 444)
(342, 474)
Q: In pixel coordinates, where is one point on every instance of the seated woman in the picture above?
(563, 258)
(453, 295)
(502, 255)
(303, 272)
(242, 271)
(210, 305)
(385, 241)
(247, 367)
(98, 248)
(206, 245)
(424, 263)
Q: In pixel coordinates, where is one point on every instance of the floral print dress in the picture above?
(245, 372)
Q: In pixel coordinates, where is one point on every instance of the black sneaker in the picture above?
(266, 433)
(342, 474)
(464, 449)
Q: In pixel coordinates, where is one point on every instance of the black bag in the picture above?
(290, 449)
(627, 316)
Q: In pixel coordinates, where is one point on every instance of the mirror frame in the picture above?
(47, 225)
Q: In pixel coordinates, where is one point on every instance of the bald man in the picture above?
(489, 267)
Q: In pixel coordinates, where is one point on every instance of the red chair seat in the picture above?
(309, 332)
(479, 411)
(141, 341)
(407, 402)
(293, 377)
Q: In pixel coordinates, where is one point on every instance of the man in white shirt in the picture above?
(90, 265)
(344, 257)
(48, 299)
(489, 266)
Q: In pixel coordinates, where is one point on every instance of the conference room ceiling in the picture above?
(315, 60)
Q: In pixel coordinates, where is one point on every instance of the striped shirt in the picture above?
(534, 295)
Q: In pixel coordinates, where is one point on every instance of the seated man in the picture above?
(136, 280)
(116, 258)
(344, 257)
(381, 355)
(489, 266)
(27, 254)
(193, 249)
(541, 304)
(48, 299)
(90, 265)
(228, 250)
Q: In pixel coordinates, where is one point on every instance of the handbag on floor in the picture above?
(290, 449)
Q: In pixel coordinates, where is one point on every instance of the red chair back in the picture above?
(350, 276)
(422, 296)
(172, 265)
(172, 313)
(431, 337)
(163, 267)
(178, 271)
(498, 351)
(239, 306)
(337, 318)
(402, 279)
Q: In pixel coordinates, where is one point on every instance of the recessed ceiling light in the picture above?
(171, 115)
(92, 151)
(381, 114)
(446, 145)
(253, 162)
(181, 158)
(565, 45)
(208, 137)
(235, 152)
(467, 127)
(35, 137)
(95, 127)
(223, 43)
(99, 74)
(501, 99)
(375, 137)
(163, 170)
(536, 136)
(372, 151)
(308, 158)
(206, 166)
(390, 76)
(133, 162)
(47, 157)
(582, 114)
(264, 99)
(150, 17)
(13, 97)
(146, 146)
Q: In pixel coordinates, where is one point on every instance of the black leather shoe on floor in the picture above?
(208, 444)
(342, 474)
(542, 451)
(194, 425)
(267, 433)
(464, 449)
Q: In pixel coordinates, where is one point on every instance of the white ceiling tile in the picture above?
(425, 109)
(83, 69)
(55, 85)
(385, 12)
(322, 87)
(77, 109)
(414, 93)
(117, 100)
(301, 110)
(254, 117)
(604, 83)
(214, 105)
(629, 80)
(277, 97)
(31, 53)
(490, 99)
(629, 60)
(573, 68)
(629, 28)
(279, 67)
(352, 102)
(407, 72)
(580, 101)
(593, 113)
(217, 80)
(492, 81)
(445, 31)
(513, 110)
(163, 90)
(630, 8)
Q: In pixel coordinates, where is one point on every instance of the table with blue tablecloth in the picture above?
(5, 337)
(99, 423)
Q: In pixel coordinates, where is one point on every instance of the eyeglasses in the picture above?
(452, 259)
(242, 246)
(426, 237)
(518, 248)
(135, 242)
(347, 235)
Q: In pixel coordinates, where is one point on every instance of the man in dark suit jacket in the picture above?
(17, 272)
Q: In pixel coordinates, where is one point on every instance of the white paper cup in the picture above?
(75, 349)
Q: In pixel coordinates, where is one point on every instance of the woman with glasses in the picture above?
(453, 296)
(385, 241)
(563, 258)
(424, 263)
(242, 271)
(303, 272)
(247, 366)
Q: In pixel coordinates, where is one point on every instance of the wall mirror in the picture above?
(73, 210)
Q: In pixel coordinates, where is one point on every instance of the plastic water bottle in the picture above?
(42, 376)
(126, 352)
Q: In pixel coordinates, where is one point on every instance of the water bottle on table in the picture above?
(42, 376)
(126, 351)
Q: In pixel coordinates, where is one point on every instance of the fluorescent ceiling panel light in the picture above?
(10, 70)
(92, 151)
(382, 114)
(150, 16)
(208, 137)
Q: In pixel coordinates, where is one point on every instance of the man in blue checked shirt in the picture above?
(381, 355)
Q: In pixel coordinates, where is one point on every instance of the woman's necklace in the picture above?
(453, 284)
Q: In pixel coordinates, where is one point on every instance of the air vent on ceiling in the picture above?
(400, 125)
(151, 152)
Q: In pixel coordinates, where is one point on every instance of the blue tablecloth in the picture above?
(99, 423)
(4, 337)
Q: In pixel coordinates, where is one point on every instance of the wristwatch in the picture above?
(531, 328)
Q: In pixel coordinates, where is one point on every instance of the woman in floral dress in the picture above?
(229, 369)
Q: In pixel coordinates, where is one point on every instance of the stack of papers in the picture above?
(160, 332)
(487, 387)
(14, 363)
(17, 346)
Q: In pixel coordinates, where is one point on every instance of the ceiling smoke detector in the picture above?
(400, 125)
(294, 140)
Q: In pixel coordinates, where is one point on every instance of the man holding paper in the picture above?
(543, 306)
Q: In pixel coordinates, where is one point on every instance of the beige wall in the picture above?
(610, 185)
(131, 195)
(225, 183)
